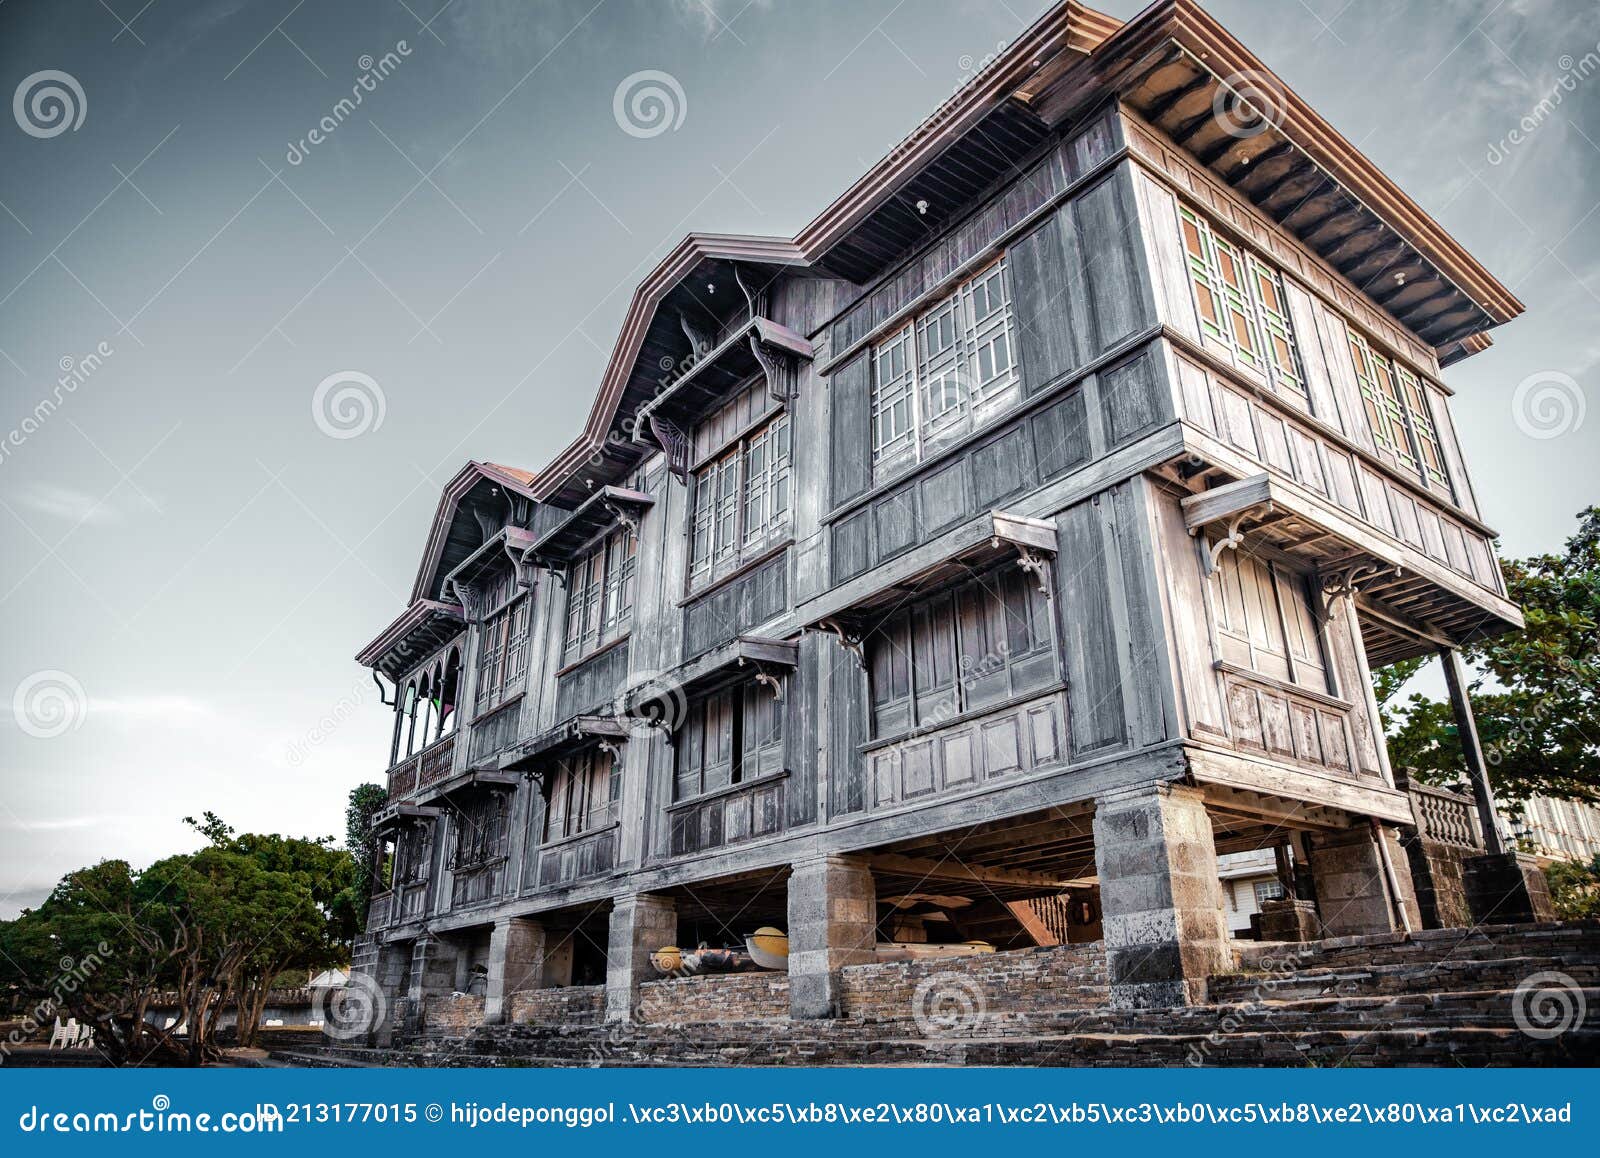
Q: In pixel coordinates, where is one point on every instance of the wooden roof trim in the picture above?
(512, 478)
(403, 625)
(1187, 25)
(673, 268)
(1070, 28)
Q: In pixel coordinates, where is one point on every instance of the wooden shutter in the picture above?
(850, 392)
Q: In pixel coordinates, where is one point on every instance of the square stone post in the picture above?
(833, 922)
(641, 923)
(516, 964)
(1161, 895)
(1355, 896)
(392, 973)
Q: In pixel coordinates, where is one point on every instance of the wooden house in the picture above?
(1023, 531)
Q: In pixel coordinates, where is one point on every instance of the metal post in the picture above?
(1455, 676)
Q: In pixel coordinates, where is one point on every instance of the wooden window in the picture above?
(1240, 304)
(584, 794)
(482, 831)
(502, 643)
(1396, 402)
(981, 642)
(741, 502)
(1268, 891)
(600, 587)
(944, 373)
(1266, 622)
(729, 737)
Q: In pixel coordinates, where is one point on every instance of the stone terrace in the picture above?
(1432, 998)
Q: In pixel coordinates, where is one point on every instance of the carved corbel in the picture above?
(1346, 582)
(755, 299)
(1038, 566)
(848, 640)
(767, 679)
(675, 443)
(1232, 540)
(778, 366)
(622, 515)
(701, 341)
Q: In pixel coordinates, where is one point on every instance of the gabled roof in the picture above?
(690, 254)
(436, 560)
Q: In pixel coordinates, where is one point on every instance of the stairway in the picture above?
(1436, 998)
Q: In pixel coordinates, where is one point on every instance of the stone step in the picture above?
(1430, 1046)
(1444, 975)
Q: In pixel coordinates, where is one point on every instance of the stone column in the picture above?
(1354, 896)
(641, 923)
(1160, 894)
(392, 973)
(833, 920)
(516, 963)
(1506, 888)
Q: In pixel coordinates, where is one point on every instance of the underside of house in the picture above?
(956, 580)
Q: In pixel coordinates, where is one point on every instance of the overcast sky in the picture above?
(186, 542)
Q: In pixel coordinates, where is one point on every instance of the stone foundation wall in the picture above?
(452, 1013)
(1436, 870)
(566, 1005)
(1019, 981)
(731, 997)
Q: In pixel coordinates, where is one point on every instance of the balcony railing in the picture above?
(426, 767)
(1445, 816)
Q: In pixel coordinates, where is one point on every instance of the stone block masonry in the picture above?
(1162, 898)
(735, 997)
(568, 1005)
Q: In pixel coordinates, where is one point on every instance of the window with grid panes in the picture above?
(982, 642)
(1240, 304)
(742, 496)
(1397, 409)
(945, 372)
(729, 737)
(584, 795)
(600, 594)
(503, 643)
(482, 830)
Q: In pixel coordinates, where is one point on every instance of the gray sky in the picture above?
(184, 541)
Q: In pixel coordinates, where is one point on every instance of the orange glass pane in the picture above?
(1208, 302)
(1269, 291)
(1191, 239)
(1230, 267)
(1241, 333)
(1281, 355)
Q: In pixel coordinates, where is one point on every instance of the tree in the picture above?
(1534, 692)
(365, 800)
(1575, 889)
(204, 931)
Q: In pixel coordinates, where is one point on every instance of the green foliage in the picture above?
(1534, 692)
(365, 800)
(199, 930)
(1575, 889)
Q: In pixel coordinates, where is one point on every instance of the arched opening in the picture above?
(449, 687)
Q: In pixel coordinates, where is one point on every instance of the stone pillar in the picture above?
(516, 963)
(392, 973)
(1160, 894)
(1506, 888)
(641, 923)
(1354, 896)
(1289, 919)
(833, 922)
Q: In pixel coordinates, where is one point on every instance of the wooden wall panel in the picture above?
(592, 684)
(736, 607)
(850, 404)
(1096, 718)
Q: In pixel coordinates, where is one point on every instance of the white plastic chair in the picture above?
(62, 1035)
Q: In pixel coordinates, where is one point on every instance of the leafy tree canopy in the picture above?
(1534, 692)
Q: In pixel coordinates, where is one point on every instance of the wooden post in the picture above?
(1455, 675)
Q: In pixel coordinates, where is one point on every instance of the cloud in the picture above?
(712, 17)
(56, 825)
(79, 507)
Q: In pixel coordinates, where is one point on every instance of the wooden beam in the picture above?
(952, 870)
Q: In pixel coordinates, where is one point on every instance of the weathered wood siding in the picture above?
(594, 683)
(736, 607)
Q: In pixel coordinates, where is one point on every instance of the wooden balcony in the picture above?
(429, 766)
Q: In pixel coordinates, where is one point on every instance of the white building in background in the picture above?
(1554, 829)
(1248, 879)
